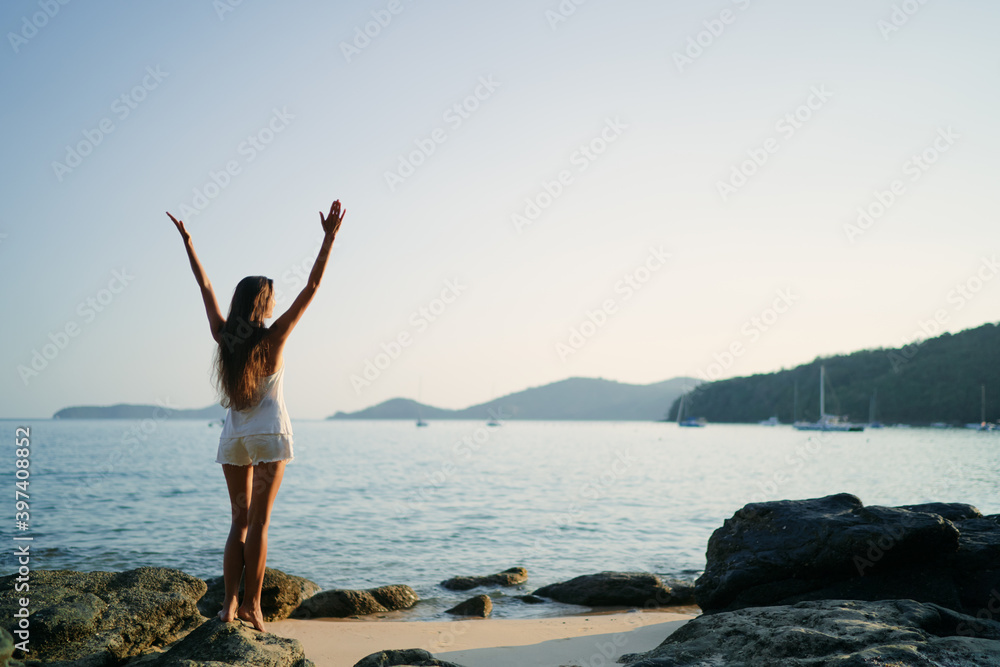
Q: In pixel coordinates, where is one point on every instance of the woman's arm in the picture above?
(215, 319)
(284, 324)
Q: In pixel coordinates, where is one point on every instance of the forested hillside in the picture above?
(938, 379)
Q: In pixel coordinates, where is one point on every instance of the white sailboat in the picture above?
(826, 422)
(872, 422)
(982, 425)
(420, 394)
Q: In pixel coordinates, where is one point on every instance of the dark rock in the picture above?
(612, 589)
(949, 511)
(530, 599)
(833, 548)
(681, 591)
(480, 606)
(512, 577)
(344, 603)
(394, 597)
(7, 650)
(414, 657)
(280, 594)
(215, 644)
(901, 633)
(103, 618)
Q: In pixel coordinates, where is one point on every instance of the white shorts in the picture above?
(253, 449)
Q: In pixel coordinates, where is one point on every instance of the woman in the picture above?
(256, 440)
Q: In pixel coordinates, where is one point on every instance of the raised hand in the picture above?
(180, 228)
(331, 222)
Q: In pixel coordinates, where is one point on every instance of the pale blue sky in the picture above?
(675, 133)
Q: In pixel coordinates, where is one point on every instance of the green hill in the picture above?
(937, 380)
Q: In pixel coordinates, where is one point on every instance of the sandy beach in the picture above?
(580, 641)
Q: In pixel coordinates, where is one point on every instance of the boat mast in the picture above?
(680, 410)
(795, 402)
(822, 395)
(983, 409)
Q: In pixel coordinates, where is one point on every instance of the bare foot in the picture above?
(254, 618)
(228, 613)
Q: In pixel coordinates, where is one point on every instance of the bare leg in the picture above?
(266, 480)
(238, 481)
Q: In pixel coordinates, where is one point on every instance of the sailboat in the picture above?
(826, 422)
(872, 422)
(690, 421)
(982, 425)
(495, 418)
(420, 392)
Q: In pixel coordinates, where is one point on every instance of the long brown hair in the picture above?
(242, 350)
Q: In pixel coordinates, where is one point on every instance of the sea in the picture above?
(371, 503)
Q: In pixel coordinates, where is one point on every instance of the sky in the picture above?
(630, 190)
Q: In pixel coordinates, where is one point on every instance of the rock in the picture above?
(512, 577)
(480, 606)
(7, 650)
(901, 633)
(395, 597)
(104, 617)
(215, 644)
(834, 548)
(682, 592)
(612, 589)
(280, 594)
(344, 603)
(530, 599)
(414, 657)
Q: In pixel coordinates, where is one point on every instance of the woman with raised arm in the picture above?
(256, 440)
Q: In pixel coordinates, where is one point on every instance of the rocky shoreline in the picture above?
(807, 582)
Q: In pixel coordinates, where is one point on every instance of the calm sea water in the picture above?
(372, 503)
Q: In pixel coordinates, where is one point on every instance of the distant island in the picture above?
(126, 411)
(937, 380)
(572, 399)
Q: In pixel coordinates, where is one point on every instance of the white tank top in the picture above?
(268, 416)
